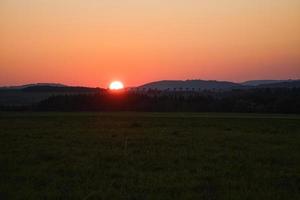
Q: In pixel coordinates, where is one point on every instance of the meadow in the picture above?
(149, 156)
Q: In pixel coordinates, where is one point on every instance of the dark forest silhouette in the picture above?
(258, 100)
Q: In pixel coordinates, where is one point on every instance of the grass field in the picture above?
(149, 156)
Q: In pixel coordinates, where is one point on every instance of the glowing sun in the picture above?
(116, 85)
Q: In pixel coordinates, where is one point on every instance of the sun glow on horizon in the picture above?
(116, 85)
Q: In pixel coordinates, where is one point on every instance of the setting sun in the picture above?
(116, 85)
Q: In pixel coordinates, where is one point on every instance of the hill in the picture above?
(287, 84)
(34, 93)
(63, 89)
(263, 82)
(32, 85)
(190, 85)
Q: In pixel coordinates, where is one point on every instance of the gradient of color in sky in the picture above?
(91, 42)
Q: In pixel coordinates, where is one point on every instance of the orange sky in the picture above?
(91, 42)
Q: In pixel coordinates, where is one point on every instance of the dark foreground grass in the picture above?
(149, 156)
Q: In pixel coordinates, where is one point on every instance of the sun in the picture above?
(116, 85)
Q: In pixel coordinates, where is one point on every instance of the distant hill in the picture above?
(288, 84)
(261, 82)
(198, 85)
(32, 85)
(33, 93)
(189, 85)
(59, 89)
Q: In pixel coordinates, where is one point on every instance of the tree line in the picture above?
(258, 100)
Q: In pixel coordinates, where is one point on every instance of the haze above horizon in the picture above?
(90, 43)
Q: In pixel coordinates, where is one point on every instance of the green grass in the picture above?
(149, 156)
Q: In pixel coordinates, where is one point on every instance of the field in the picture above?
(149, 156)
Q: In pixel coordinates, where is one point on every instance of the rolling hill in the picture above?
(287, 84)
(264, 82)
(189, 85)
(33, 93)
(199, 85)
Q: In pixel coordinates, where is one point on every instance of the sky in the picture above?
(92, 42)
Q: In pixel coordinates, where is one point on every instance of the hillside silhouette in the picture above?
(161, 96)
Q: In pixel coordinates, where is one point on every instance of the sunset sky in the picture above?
(92, 42)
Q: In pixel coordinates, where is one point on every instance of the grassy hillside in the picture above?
(149, 156)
